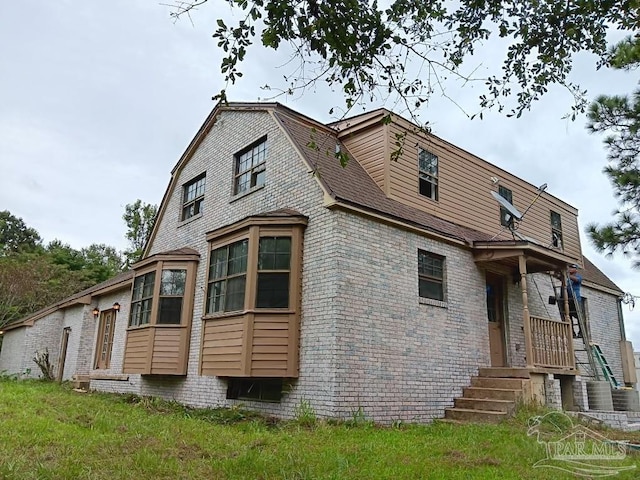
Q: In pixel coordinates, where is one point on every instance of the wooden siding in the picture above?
(222, 347)
(136, 351)
(169, 351)
(464, 184)
(157, 350)
(271, 353)
(251, 345)
(369, 148)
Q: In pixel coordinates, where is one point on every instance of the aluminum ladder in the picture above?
(591, 370)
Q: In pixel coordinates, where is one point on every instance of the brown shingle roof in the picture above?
(123, 278)
(352, 184)
(593, 274)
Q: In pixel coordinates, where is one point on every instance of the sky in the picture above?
(98, 100)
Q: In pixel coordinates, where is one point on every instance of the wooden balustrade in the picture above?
(551, 343)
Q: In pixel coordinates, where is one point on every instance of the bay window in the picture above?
(161, 311)
(251, 319)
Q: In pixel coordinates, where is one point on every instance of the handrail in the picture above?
(552, 346)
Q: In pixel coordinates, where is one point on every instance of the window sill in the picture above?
(159, 325)
(244, 194)
(239, 313)
(435, 303)
(189, 220)
(139, 327)
(97, 375)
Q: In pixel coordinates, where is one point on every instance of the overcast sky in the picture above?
(99, 99)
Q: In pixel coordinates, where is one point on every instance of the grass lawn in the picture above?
(48, 431)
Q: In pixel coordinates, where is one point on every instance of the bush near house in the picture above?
(50, 432)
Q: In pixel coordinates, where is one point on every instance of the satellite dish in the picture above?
(513, 211)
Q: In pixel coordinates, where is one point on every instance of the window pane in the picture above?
(283, 253)
(430, 265)
(505, 193)
(273, 290)
(173, 282)
(137, 288)
(235, 294)
(428, 162)
(192, 197)
(170, 310)
(197, 206)
(238, 257)
(145, 315)
(426, 188)
(250, 167)
(136, 313)
(274, 253)
(257, 179)
(242, 182)
(215, 302)
(430, 275)
(218, 263)
(283, 245)
(143, 286)
(149, 280)
(188, 212)
(430, 289)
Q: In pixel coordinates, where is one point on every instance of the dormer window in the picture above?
(250, 167)
(428, 174)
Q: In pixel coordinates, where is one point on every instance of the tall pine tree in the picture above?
(619, 117)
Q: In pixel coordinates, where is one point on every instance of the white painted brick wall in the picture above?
(20, 345)
(605, 327)
(13, 351)
(398, 359)
(288, 185)
(74, 319)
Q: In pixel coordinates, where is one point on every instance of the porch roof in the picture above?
(505, 253)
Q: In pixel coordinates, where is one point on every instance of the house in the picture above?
(274, 276)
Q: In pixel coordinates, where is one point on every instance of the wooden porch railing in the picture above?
(552, 343)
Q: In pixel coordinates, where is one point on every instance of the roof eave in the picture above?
(339, 203)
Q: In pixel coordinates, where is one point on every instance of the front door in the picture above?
(105, 339)
(495, 315)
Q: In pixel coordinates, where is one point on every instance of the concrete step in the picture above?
(476, 416)
(494, 382)
(486, 404)
(504, 372)
(492, 393)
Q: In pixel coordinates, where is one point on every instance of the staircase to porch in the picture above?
(492, 396)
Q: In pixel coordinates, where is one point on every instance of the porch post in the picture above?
(567, 319)
(565, 297)
(522, 264)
